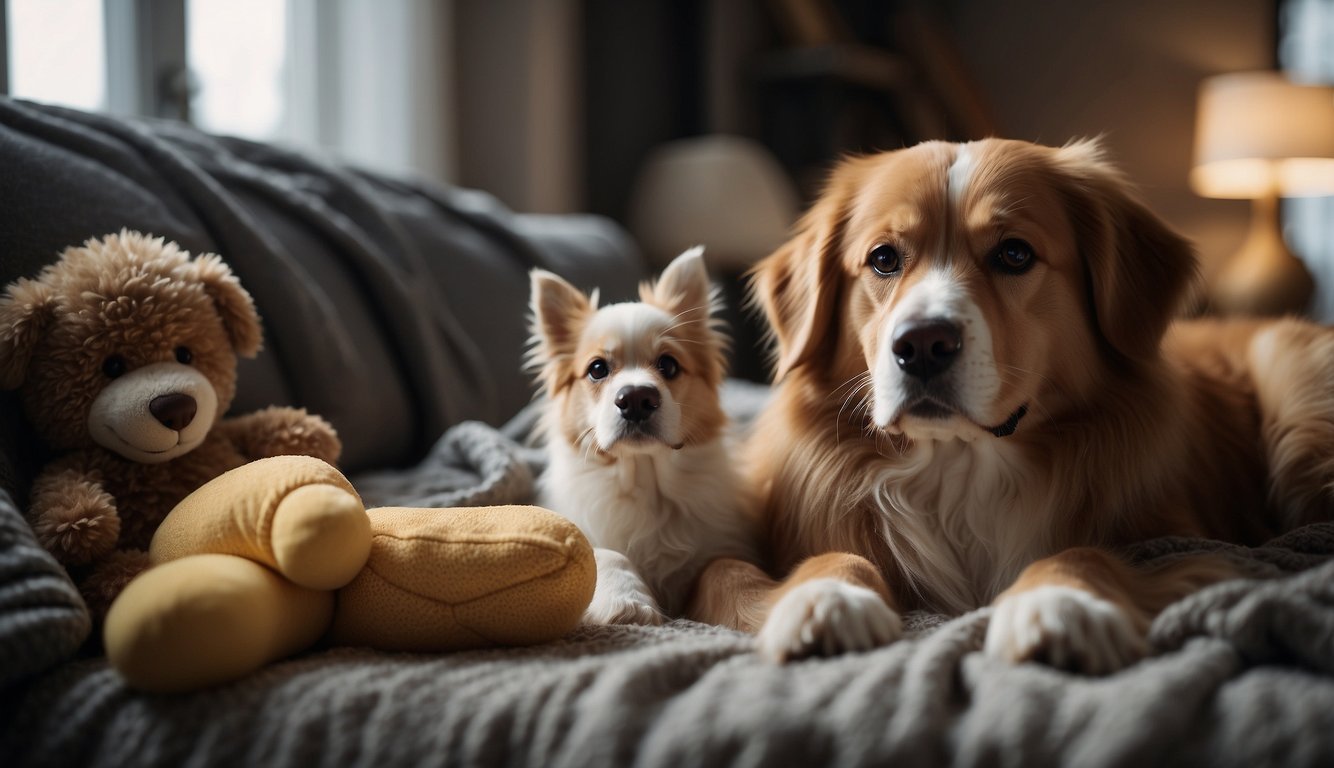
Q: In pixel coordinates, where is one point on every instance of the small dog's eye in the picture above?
(1013, 256)
(184, 356)
(668, 366)
(114, 367)
(885, 259)
(598, 370)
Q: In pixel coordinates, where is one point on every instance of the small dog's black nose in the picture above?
(175, 411)
(924, 348)
(638, 402)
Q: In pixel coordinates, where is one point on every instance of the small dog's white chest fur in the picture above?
(668, 511)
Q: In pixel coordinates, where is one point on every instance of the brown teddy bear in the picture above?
(124, 354)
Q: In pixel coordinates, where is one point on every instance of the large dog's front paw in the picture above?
(1066, 628)
(826, 617)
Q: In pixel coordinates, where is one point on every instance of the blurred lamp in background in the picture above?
(723, 192)
(1260, 136)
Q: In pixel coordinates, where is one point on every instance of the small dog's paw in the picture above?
(1065, 628)
(627, 607)
(621, 596)
(827, 617)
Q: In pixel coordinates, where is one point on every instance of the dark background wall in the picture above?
(594, 85)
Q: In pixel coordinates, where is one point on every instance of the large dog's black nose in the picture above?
(638, 402)
(924, 348)
(175, 411)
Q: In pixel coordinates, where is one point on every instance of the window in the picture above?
(57, 52)
(236, 54)
(366, 80)
(1306, 51)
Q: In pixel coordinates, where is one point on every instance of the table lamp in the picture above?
(726, 193)
(1259, 136)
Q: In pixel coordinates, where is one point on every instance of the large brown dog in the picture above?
(976, 403)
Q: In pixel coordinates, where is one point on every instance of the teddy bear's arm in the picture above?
(74, 517)
(278, 431)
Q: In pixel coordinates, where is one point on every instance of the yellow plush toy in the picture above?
(124, 356)
(270, 557)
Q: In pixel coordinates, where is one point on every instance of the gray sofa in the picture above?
(396, 310)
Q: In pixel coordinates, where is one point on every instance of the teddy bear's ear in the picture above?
(234, 304)
(26, 308)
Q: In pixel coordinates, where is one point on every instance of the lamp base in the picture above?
(1264, 277)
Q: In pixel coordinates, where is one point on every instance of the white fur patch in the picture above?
(827, 617)
(670, 512)
(961, 173)
(973, 377)
(948, 512)
(620, 596)
(1065, 627)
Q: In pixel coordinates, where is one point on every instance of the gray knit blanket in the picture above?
(1241, 675)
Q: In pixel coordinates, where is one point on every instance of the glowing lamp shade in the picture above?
(1260, 136)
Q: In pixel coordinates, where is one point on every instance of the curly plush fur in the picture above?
(96, 345)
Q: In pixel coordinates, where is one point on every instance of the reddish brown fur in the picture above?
(1123, 441)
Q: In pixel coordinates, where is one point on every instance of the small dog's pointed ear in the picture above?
(26, 309)
(1138, 268)
(683, 285)
(558, 311)
(234, 304)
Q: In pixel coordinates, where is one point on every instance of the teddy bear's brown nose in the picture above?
(175, 411)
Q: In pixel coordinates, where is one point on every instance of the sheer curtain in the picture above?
(1306, 52)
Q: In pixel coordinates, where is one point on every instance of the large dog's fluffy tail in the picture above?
(1292, 364)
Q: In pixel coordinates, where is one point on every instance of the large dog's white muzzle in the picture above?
(934, 370)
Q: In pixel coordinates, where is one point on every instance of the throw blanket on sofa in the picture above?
(1241, 676)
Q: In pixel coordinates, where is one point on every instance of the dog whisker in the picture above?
(859, 382)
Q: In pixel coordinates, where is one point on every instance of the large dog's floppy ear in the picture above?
(234, 305)
(26, 308)
(1139, 268)
(797, 286)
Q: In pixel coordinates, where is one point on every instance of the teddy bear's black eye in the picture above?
(184, 356)
(598, 369)
(668, 367)
(114, 367)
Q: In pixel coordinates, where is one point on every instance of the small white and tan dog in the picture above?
(639, 452)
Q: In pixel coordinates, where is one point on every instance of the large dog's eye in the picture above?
(1013, 256)
(668, 366)
(598, 369)
(184, 356)
(885, 260)
(114, 367)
